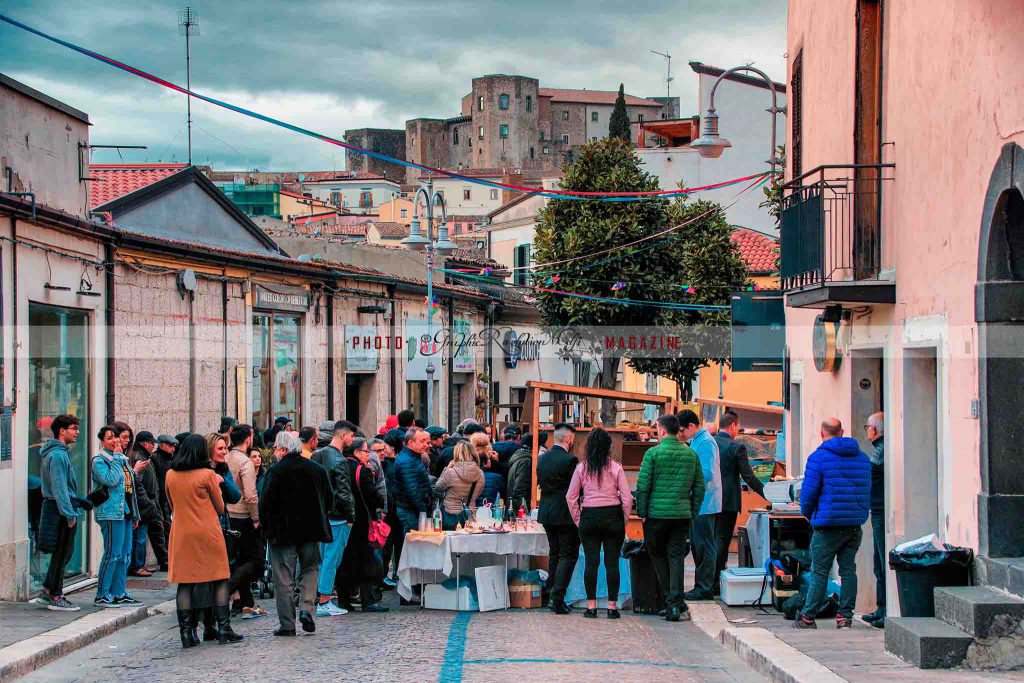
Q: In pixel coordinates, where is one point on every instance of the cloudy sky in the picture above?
(329, 66)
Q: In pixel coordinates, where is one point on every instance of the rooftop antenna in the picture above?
(188, 26)
(668, 73)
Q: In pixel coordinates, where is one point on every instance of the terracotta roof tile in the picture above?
(116, 180)
(593, 97)
(391, 230)
(474, 172)
(759, 252)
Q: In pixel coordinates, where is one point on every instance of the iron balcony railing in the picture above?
(832, 225)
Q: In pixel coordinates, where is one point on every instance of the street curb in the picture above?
(774, 658)
(30, 654)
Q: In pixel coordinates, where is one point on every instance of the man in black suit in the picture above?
(734, 464)
(554, 472)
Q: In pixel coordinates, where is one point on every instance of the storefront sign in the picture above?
(417, 350)
(519, 348)
(362, 347)
(282, 298)
(463, 350)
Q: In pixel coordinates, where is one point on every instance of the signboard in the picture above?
(282, 298)
(519, 348)
(463, 350)
(417, 351)
(362, 348)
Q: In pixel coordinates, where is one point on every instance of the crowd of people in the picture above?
(324, 510)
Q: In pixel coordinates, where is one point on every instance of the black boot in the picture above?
(185, 628)
(210, 632)
(224, 625)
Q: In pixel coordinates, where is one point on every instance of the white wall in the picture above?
(745, 123)
(482, 199)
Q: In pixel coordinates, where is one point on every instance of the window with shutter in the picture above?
(522, 261)
(796, 113)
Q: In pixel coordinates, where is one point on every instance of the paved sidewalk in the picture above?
(784, 654)
(32, 635)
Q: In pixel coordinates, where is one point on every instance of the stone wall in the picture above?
(381, 140)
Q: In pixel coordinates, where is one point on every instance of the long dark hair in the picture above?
(599, 446)
(192, 454)
(123, 427)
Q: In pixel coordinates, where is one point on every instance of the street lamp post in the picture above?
(417, 241)
(710, 144)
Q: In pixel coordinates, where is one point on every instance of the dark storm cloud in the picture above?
(336, 65)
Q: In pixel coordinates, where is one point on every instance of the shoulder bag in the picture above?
(97, 496)
(232, 538)
(379, 529)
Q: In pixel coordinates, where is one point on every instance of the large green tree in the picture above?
(618, 124)
(653, 270)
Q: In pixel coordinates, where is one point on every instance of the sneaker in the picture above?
(843, 622)
(105, 602)
(803, 621)
(329, 609)
(62, 604)
(127, 599)
(873, 617)
(391, 583)
(879, 623)
(42, 599)
(253, 612)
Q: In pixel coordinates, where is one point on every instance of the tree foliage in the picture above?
(618, 124)
(700, 255)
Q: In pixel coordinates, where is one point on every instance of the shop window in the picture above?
(276, 377)
(58, 384)
(417, 395)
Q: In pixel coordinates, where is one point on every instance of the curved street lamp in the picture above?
(710, 144)
(417, 241)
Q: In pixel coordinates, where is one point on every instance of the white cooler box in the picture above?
(742, 585)
(436, 596)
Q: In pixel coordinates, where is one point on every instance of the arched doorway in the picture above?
(999, 312)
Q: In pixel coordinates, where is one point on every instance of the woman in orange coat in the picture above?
(198, 556)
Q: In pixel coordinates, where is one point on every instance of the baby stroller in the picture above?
(265, 584)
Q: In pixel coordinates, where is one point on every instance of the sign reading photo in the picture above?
(362, 348)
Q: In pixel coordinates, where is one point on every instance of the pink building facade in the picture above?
(904, 268)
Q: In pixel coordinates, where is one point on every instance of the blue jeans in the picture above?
(878, 536)
(139, 537)
(839, 543)
(117, 548)
(450, 521)
(331, 554)
(409, 518)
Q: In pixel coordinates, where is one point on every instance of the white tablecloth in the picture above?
(424, 557)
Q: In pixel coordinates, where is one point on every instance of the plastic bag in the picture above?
(926, 552)
(633, 548)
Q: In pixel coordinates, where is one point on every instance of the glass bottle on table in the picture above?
(437, 518)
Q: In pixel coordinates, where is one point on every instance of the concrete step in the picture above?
(1004, 573)
(926, 642)
(979, 610)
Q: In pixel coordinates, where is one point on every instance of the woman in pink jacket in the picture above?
(599, 502)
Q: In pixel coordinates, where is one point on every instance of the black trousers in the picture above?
(54, 582)
(248, 567)
(563, 551)
(155, 533)
(666, 541)
(393, 545)
(724, 527)
(602, 527)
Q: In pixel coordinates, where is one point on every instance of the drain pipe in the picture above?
(330, 356)
(394, 354)
(108, 256)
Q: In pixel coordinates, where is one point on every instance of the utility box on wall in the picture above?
(758, 331)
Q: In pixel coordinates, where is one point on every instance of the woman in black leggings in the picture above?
(600, 501)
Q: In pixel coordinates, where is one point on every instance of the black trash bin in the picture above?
(921, 569)
(648, 597)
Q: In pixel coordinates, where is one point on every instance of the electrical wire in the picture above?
(560, 194)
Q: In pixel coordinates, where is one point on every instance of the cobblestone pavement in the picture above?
(410, 644)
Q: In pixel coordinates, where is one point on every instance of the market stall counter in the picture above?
(427, 556)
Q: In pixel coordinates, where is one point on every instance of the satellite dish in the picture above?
(186, 281)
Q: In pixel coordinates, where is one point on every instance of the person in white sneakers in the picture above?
(61, 507)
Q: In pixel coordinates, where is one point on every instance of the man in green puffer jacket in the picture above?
(669, 492)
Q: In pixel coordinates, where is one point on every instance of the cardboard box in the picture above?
(522, 595)
(745, 586)
(491, 588)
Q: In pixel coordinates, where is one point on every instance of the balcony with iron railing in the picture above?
(831, 237)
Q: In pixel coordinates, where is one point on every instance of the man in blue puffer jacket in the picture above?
(836, 497)
(412, 485)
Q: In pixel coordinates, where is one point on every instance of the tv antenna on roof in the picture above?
(668, 74)
(188, 26)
